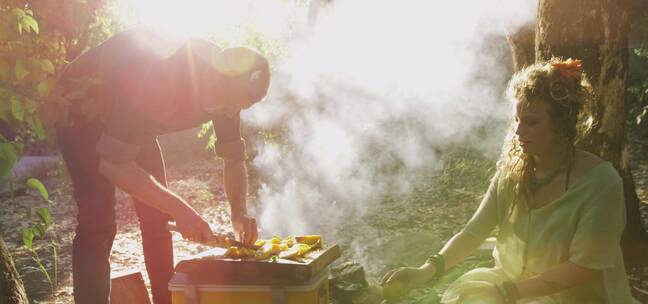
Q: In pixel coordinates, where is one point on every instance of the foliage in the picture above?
(27, 66)
(25, 79)
(10, 152)
(38, 185)
(37, 38)
(40, 223)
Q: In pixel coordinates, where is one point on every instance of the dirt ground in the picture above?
(201, 185)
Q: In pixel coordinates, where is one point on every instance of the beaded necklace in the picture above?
(536, 182)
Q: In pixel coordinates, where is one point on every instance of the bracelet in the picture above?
(508, 292)
(439, 264)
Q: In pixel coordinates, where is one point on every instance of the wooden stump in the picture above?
(12, 290)
(128, 288)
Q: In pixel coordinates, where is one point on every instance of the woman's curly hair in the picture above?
(565, 88)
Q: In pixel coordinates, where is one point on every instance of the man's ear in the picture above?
(258, 85)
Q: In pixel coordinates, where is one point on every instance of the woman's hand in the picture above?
(245, 228)
(397, 282)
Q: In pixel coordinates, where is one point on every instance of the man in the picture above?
(120, 95)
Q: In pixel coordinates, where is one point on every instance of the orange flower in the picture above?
(571, 69)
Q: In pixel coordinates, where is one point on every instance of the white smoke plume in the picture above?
(369, 96)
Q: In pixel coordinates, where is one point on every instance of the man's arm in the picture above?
(235, 177)
(231, 148)
(131, 178)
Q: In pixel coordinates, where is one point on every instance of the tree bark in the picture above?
(596, 31)
(12, 290)
(522, 43)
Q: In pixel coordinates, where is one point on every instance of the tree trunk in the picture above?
(522, 43)
(12, 290)
(596, 31)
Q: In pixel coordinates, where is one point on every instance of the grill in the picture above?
(213, 278)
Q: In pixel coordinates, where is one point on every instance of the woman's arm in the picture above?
(461, 245)
(454, 251)
(482, 224)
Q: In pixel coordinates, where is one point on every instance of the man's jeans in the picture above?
(95, 232)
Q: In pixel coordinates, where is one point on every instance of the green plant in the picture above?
(27, 68)
(37, 38)
(40, 224)
(10, 153)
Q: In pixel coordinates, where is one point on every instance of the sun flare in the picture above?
(202, 18)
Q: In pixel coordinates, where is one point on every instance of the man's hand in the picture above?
(193, 227)
(245, 228)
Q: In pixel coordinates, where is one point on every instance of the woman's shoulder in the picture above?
(587, 164)
(584, 161)
(503, 184)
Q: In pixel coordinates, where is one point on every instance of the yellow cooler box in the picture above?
(212, 278)
(316, 292)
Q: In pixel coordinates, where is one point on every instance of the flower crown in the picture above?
(570, 72)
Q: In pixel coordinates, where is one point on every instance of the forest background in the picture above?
(38, 38)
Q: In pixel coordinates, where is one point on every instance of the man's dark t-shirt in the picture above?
(141, 85)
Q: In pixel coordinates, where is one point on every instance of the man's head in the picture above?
(242, 78)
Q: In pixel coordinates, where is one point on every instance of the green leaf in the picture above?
(45, 216)
(30, 23)
(204, 128)
(20, 70)
(30, 106)
(17, 108)
(28, 238)
(10, 152)
(44, 88)
(36, 184)
(38, 230)
(47, 66)
(37, 126)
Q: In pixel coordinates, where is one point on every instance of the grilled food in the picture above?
(294, 248)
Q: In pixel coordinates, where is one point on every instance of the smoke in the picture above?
(369, 97)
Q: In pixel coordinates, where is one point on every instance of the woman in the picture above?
(557, 212)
